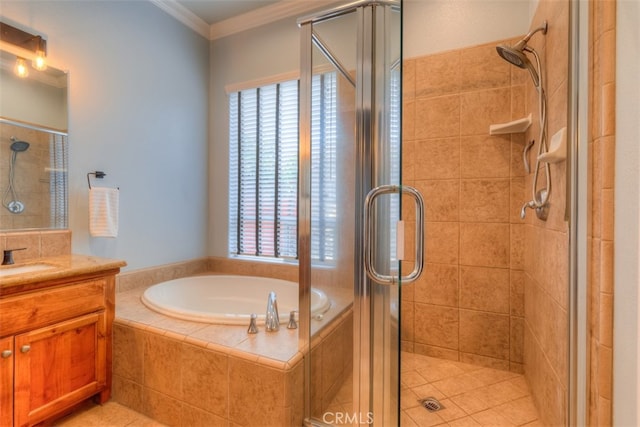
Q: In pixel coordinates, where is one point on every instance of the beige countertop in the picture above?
(48, 269)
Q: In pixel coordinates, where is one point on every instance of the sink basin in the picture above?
(21, 269)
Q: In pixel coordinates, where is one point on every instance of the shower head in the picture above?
(519, 59)
(18, 146)
(516, 54)
(512, 55)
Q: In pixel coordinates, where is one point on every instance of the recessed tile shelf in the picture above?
(557, 149)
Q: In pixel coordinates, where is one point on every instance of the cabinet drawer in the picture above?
(41, 308)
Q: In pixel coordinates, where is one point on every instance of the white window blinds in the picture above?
(263, 169)
(395, 161)
(323, 167)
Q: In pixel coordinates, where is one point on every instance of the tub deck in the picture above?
(189, 373)
(275, 349)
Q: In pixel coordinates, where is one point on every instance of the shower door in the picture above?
(349, 205)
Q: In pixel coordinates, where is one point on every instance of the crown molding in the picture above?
(184, 15)
(264, 15)
(255, 18)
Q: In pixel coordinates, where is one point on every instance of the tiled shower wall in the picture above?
(546, 248)
(494, 290)
(600, 226)
(469, 303)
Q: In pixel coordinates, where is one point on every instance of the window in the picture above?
(263, 170)
(59, 155)
(395, 161)
(323, 168)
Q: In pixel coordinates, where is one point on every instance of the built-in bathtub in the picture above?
(228, 299)
(181, 372)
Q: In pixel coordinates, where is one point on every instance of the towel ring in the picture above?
(98, 174)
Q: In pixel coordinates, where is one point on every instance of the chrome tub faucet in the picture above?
(272, 321)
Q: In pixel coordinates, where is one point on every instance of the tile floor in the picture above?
(471, 395)
(111, 414)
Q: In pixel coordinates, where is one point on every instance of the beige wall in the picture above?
(600, 204)
(626, 261)
(468, 305)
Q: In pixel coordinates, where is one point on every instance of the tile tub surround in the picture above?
(148, 276)
(145, 277)
(188, 373)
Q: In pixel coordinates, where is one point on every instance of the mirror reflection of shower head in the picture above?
(18, 146)
(516, 54)
(10, 197)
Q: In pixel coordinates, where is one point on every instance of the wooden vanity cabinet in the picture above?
(6, 381)
(60, 342)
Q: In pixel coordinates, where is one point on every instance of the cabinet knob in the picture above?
(25, 348)
(6, 353)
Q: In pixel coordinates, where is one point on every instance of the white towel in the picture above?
(103, 211)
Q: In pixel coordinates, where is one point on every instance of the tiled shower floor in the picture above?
(471, 396)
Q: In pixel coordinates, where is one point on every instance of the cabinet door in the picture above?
(6, 381)
(58, 366)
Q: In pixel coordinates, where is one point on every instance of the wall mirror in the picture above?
(33, 147)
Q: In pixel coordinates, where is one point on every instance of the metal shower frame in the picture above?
(368, 110)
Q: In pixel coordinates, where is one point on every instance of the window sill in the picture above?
(281, 261)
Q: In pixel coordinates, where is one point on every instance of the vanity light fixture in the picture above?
(24, 45)
(39, 61)
(21, 68)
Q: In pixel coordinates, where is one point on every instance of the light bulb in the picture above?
(39, 62)
(21, 68)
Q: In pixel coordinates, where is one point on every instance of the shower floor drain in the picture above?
(431, 404)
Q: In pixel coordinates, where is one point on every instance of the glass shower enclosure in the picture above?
(350, 240)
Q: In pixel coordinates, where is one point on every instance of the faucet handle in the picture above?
(272, 320)
(7, 258)
(253, 327)
(293, 324)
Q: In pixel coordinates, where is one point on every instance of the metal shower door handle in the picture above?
(369, 229)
